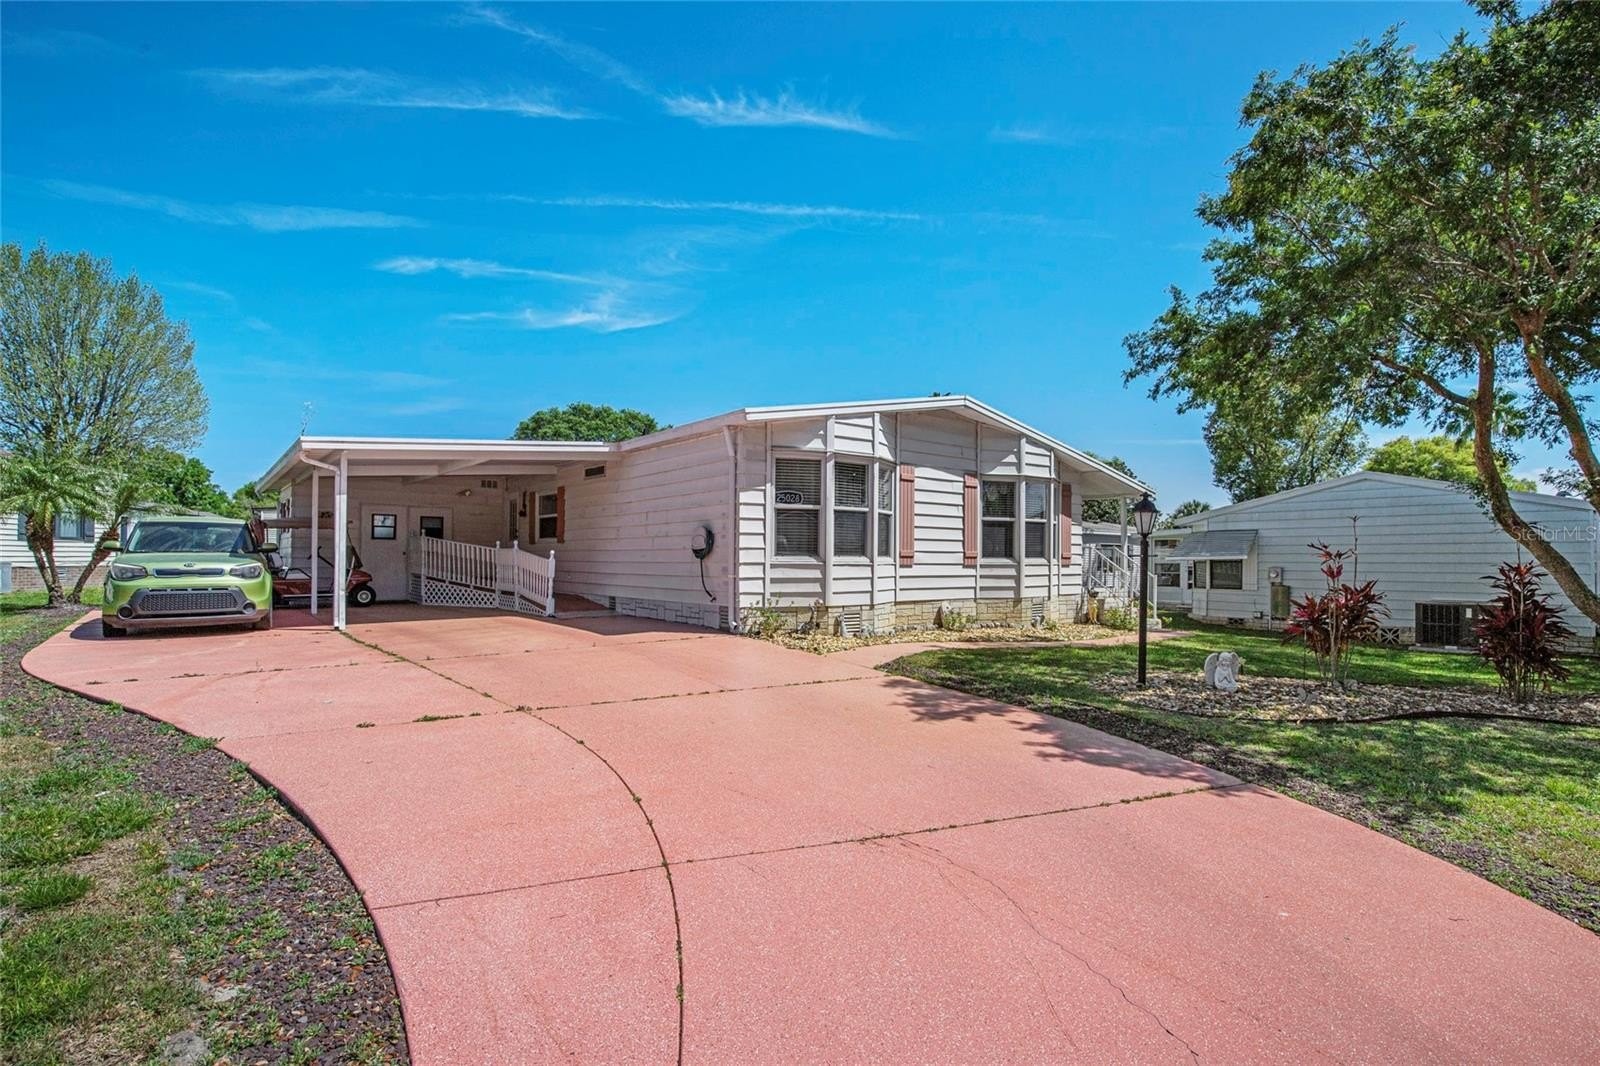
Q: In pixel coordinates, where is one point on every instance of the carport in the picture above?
(469, 492)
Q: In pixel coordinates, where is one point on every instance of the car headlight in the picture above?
(248, 570)
(127, 572)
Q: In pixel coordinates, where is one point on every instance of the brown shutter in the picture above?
(908, 514)
(969, 520)
(561, 514)
(1066, 522)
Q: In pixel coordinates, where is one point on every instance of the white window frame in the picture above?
(985, 520)
(824, 495)
(540, 514)
(1022, 510)
(1226, 588)
(886, 483)
(864, 508)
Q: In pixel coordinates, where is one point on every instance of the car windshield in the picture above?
(157, 536)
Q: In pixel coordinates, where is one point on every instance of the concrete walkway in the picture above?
(856, 867)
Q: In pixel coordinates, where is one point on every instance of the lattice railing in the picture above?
(453, 573)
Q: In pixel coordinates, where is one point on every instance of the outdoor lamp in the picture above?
(1144, 520)
(1145, 514)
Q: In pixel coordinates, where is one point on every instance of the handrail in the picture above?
(456, 573)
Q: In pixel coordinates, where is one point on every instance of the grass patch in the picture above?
(32, 599)
(54, 888)
(1516, 802)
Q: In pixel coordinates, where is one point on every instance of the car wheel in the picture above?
(265, 622)
(111, 632)
(364, 596)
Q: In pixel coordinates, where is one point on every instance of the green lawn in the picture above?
(84, 968)
(1516, 802)
(22, 601)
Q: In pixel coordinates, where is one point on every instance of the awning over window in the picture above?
(1219, 544)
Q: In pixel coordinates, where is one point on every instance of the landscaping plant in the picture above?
(1335, 622)
(1520, 633)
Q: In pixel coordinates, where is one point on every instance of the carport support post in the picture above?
(316, 509)
(341, 539)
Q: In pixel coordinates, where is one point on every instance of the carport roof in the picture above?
(429, 456)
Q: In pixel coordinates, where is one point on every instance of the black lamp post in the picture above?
(1144, 520)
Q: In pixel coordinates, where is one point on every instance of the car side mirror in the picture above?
(112, 545)
(269, 546)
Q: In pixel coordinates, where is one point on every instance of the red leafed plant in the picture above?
(1335, 622)
(1520, 633)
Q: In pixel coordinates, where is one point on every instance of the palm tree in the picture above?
(41, 487)
(118, 500)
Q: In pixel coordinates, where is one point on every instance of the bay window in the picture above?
(886, 475)
(1036, 516)
(999, 535)
(849, 509)
(797, 507)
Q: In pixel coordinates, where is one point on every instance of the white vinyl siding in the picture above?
(1419, 541)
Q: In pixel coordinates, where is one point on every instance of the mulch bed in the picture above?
(1281, 699)
(319, 979)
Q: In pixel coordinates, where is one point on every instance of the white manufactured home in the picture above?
(867, 514)
(75, 541)
(1428, 544)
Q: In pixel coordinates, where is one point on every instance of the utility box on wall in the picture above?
(1280, 601)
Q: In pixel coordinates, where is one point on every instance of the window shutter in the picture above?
(1066, 523)
(969, 520)
(908, 514)
(561, 514)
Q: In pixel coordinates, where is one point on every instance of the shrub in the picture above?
(1335, 622)
(951, 619)
(1120, 618)
(1520, 633)
(763, 620)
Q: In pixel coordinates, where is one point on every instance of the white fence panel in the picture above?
(453, 573)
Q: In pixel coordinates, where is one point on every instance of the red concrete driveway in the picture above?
(857, 867)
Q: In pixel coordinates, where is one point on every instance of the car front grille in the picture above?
(172, 571)
(188, 601)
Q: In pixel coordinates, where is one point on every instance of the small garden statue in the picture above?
(1223, 669)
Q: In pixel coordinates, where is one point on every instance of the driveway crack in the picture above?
(666, 866)
(1047, 938)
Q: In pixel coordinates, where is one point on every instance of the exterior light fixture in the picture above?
(1145, 514)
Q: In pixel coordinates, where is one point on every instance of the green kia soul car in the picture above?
(177, 571)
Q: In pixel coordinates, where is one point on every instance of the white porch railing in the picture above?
(1110, 572)
(453, 573)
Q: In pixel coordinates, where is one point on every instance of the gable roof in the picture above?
(1418, 484)
(965, 406)
(487, 452)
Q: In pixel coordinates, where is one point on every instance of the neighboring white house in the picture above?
(867, 514)
(74, 546)
(1428, 544)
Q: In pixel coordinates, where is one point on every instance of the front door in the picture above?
(385, 531)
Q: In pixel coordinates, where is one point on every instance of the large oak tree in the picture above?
(1406, 237)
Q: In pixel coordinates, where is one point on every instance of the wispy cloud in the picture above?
(58, 42)
(582, 56)
(707, 109)
(259, 325)
(210, 292)
(412, 265)
(437, 405)
(1024, 133)
(609, 312)
(327, 370)
(357, 87)
(268, 218)
(742, 207)
(785, 109)
(1045, 133)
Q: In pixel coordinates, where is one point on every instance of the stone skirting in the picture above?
(25, 578)
(709, 615)
(919, 614)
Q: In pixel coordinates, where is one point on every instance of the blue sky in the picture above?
(433, 220)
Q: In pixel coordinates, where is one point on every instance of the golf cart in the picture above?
(291, 585)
